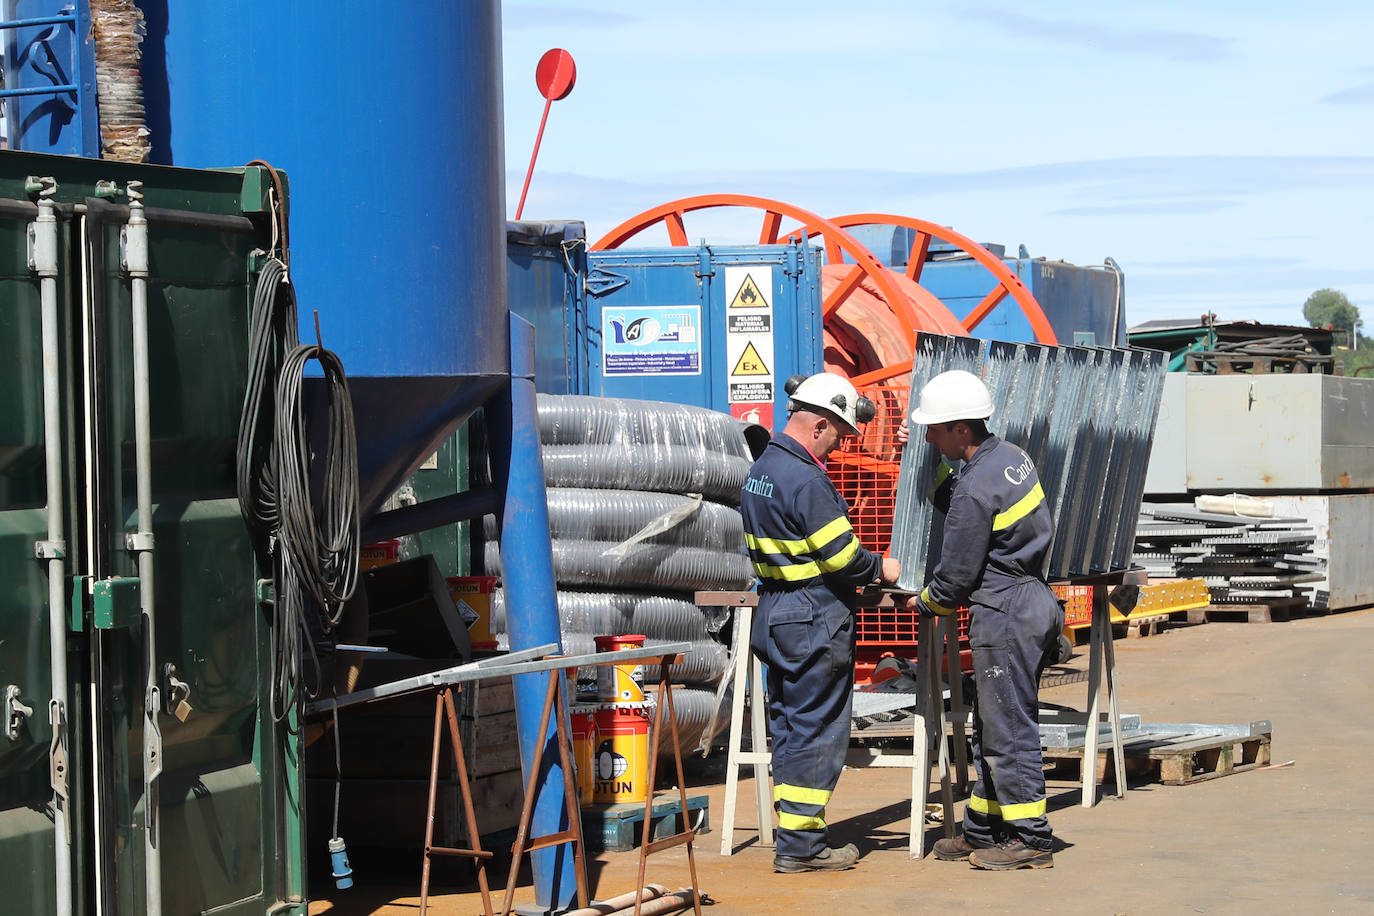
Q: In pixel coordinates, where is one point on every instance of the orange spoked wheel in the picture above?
(871, 317)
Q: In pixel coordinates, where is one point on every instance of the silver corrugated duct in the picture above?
(619, 515)
(645, 565)
(1085, 415)
(670, 468)
(703, 664)
(573, 419)
(665, 617)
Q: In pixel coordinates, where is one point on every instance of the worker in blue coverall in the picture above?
(810, 565)
(997, 533)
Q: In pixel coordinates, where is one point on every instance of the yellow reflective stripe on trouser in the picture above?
(799, 822)
(801, 795)
(934, 605)
(1019, 510)
(1018, 812)
(809, 544)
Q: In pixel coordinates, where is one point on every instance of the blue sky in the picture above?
(1221, 152)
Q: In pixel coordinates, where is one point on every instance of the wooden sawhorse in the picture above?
(929, 725)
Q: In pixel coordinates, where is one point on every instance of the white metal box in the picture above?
(1344, 526)
(1167, 472)
(1279, 432)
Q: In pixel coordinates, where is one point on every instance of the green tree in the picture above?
(1331, 308)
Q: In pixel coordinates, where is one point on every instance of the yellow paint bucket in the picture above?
(622, 753)
(583, 722)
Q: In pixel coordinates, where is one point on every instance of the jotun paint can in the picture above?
(622, 753)
(583, 721)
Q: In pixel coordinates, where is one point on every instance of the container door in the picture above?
(27, 837)
(223, 815)
(721, 328)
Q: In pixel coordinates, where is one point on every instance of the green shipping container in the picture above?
(225, 827)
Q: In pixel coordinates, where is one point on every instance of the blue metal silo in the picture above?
(387, 118)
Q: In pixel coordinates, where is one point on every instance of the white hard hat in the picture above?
(831, 393)
(953, 395)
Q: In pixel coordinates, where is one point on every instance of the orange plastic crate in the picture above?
(1078, 604)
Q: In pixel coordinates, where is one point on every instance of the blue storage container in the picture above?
(717, 327)
(545, 262)
(1084, 305)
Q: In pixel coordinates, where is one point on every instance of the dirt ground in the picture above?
(1284, 839)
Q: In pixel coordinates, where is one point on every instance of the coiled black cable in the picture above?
(275, 486)
(272, 334)
(326, 557)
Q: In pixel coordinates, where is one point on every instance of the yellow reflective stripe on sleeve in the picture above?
(801, 795)
(1019, 510)
(840, 560)
(1024, 811)
(942, 472)
(1018, 812)
(934, 605)
(799, 822)
(811, 543)
(788, 573)
(808, 570)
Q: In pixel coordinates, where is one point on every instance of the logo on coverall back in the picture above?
(1016, 474)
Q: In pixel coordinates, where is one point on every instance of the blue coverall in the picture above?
(997, 533)
(809, 564)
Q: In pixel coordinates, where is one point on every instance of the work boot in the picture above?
(953, 849)
(1011, 854)
(832, 859)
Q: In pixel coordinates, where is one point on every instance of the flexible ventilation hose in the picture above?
(662, 617)
(574, 419)
(618, 515)
(645, 565)
(631, 466)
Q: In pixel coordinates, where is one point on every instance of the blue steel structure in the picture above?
(49, 77)
(397, 205)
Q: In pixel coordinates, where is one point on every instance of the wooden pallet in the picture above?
(1274, 610)
(619, 828)
(1132, 627)
(1177, 758)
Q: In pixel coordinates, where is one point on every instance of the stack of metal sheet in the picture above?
(1085, 415)
(1243, 560)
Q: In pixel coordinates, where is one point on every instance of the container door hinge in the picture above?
(791, 264)
(57, 759)
(602, 282)
(15, 712)
(705, 266)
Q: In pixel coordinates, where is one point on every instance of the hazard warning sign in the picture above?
(749, 363)
(749, 341)
(749, 296)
